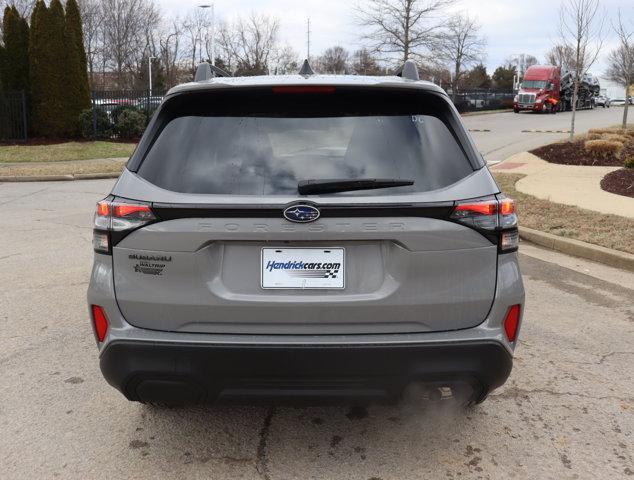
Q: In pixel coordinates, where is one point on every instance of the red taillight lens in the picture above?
(478, 208)
(512, 322)
(495, 216)
(124, 210)
(305, 89)
(118, 217)
(100, 322)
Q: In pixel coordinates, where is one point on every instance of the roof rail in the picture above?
(205, 71)
(409, 70)
(306, 69)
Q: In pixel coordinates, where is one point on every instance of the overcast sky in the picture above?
(510, 27)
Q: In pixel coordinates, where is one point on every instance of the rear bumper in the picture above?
(207, 373)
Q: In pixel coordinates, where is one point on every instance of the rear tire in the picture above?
(516, 110)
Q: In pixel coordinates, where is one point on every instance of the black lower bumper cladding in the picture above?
(201, 373)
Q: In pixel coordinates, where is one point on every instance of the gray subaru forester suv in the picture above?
(305, 237)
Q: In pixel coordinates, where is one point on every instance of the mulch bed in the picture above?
(573, 153)
(620, 182)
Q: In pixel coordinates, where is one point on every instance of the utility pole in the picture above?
(308, 40)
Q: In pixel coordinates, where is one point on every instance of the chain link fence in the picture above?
(13, 117)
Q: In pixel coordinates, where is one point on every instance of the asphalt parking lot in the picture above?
(567, 411)
(501, 135)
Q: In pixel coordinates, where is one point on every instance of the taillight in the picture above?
(100, 321)
(512, 322)
(112, 219)
(491, 217)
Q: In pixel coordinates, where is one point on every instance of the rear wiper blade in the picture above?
(314, 187)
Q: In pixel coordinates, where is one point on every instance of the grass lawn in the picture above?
(64, 151)
(27, 169)
(610, 231)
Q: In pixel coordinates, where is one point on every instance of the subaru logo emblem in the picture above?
(301, 214)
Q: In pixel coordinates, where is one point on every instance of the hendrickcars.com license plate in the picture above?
(303, 268)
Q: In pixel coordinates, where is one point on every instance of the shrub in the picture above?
(615, 137)
(593, 136)
(104, 127)
(629, 161)
(117, 111)
(130, 124)
(603, 131)
(604, 148)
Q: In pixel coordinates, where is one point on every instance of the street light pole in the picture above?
(150, 72)
(213, 32)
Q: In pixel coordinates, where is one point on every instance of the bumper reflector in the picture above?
(100, 321)
(512, 322)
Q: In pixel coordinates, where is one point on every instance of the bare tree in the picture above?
(196, 28)
(365, 63)
(126, 24)
(460, 45)
(621, 61)
(581, 29)
(170, 50)
(400, 28)
(562, 56)
(250, 42)
(335, 60)
(285, 61)
(92, 22)
(521, 62)
(24, 7)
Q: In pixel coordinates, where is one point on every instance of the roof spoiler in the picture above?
(409, 70)
(206, 71)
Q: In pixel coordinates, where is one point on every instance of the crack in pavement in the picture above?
(515, 392)
(603, 358)
(611, 354)
(26, 195)
(262, 461)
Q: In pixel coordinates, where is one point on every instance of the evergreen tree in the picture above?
(2, 66)
(477, 77)
(15, 69)
(77, 95)
(63, 125)
(40, 65)
(503, 77)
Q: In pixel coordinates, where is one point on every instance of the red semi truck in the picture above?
(545, 89)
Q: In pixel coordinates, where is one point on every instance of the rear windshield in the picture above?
(267, 147)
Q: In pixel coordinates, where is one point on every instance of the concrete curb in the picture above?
(485, 112)
(576, 248)
(60, 178)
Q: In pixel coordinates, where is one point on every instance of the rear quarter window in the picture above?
(262, 143)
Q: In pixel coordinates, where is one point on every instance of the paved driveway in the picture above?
(506, 137)
(567, 411)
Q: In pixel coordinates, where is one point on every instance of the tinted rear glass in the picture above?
(214, 147)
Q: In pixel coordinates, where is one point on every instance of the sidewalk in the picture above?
(567, 184)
